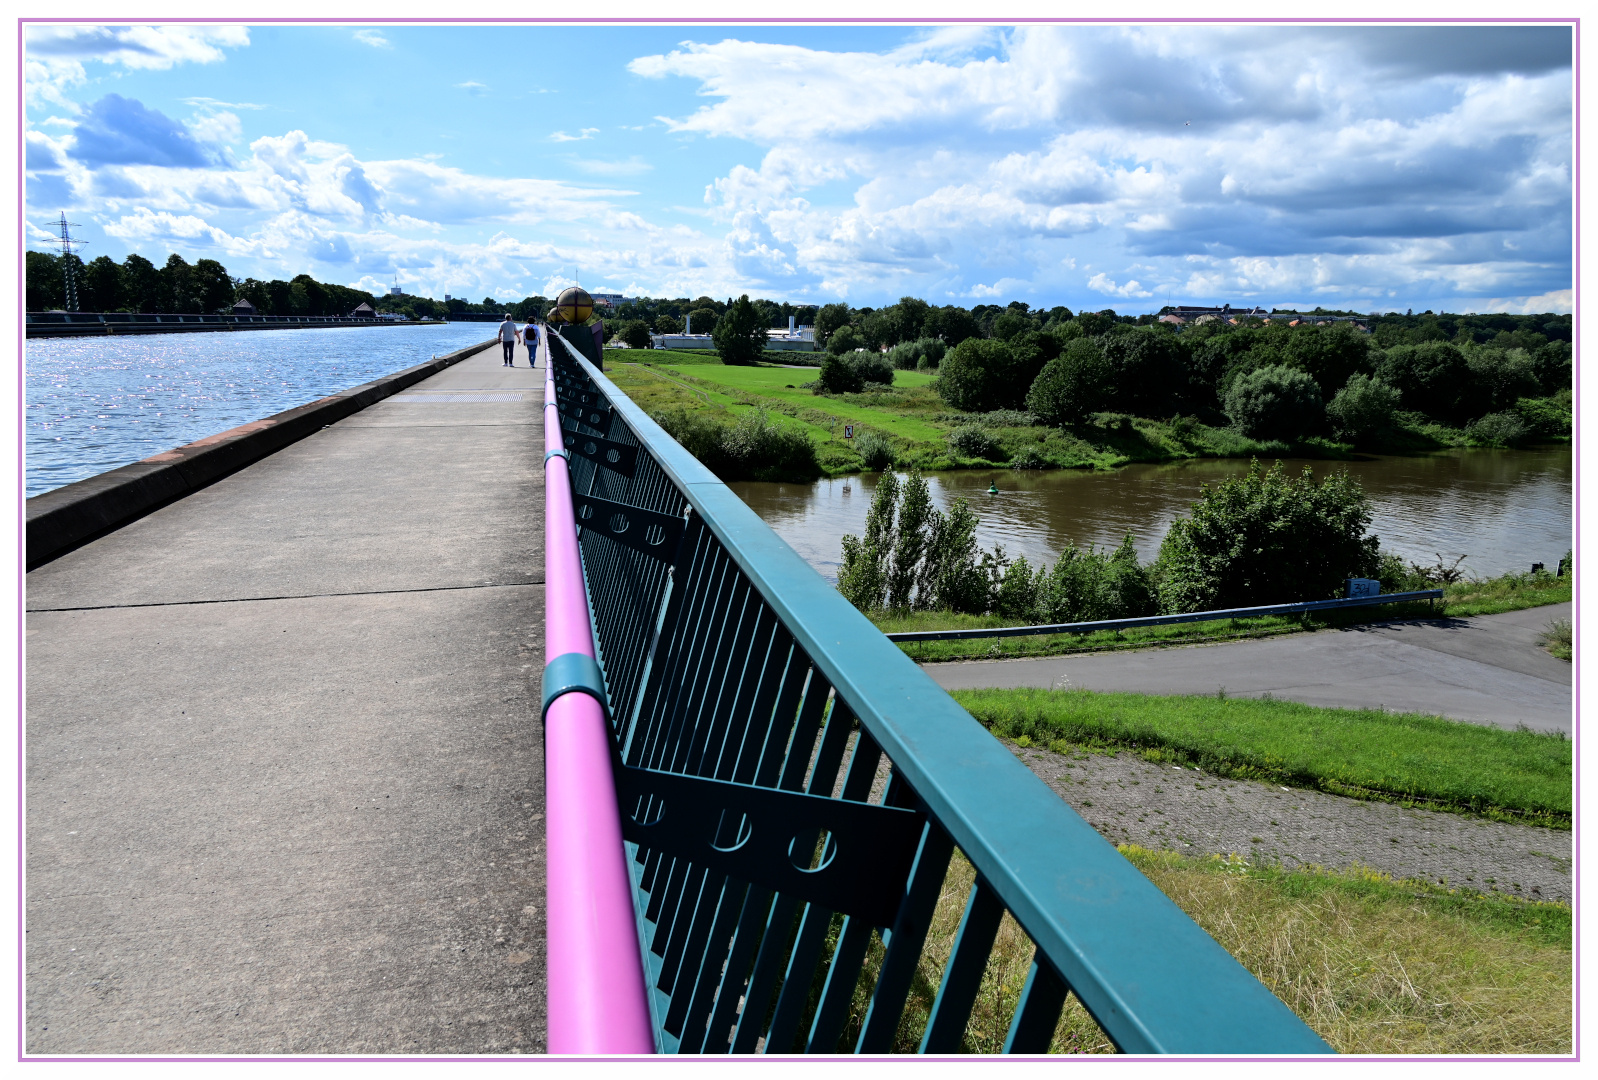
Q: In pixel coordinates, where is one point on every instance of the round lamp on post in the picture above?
(574, 305)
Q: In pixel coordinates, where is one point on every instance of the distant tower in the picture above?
(394, 289)
(67, 244)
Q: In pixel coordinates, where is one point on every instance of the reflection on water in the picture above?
(1505, 509)
(100, 403)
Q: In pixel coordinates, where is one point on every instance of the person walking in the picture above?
(530, 336)
(508, 337)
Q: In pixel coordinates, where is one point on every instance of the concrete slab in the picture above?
(1486, 670)
(304, 816)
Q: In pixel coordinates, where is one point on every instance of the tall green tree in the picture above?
(45, 288)
(740, 336)
(141, 284)
(213, 288)
(100, 288)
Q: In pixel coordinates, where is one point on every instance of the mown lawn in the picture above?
(1404, 757)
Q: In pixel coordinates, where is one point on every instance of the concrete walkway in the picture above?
(283, 763)
(1486, 670)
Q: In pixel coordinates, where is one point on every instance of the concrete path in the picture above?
(1487, 670)
(284, 772)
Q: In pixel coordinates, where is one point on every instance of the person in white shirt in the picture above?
(508, 337)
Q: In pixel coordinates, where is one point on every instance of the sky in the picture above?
(1094, 166)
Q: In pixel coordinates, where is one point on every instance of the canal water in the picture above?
(101, 403)
(1502, 509)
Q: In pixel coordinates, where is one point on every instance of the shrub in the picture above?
(837, 376)
(1362, 408)
(977, 375)
(923, 354)
(1499, 378)
(752, 447)
(872, 367)
(1552, 363)
(1331, 355)
(1086, 585)
(1148, 369)
(845, 339)
(1276, 403)
(1029, 458)
(1267, 538)
(740, 335)
(1072, 385)
(974, 441)
(1547, 416)
(876, 451)
(1497, 429)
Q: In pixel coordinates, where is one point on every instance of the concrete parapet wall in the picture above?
(61, 520)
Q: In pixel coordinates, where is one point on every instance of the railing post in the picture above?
(598, 1001)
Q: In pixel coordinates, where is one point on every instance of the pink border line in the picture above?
(21, 521)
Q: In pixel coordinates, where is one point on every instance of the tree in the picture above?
(141, 284)
(740, 335)
(1362, 408)
(177, 287)
(845, 339)
(952, 324)
(977, 376)
(100, 286)
(634, 333)
(315, 295)
(1266, 538)
(212, 286)
(1276, 403)
(1330, 354)
(905, 319)
(1072, 385)
(1148, 371)
(838, 376)
(668, 324)
(703, 320)
(46, 291)
(828, 320)
(1433, 377)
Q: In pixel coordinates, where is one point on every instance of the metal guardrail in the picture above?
(1167, 620)
(792, 788)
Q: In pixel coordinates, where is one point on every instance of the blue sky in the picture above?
(1092, 166)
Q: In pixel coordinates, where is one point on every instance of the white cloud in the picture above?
(472, 87)
(585, 133)
(1102, 283)
(56, 54)
(374, 38)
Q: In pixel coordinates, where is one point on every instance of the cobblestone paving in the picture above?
(1161, 806)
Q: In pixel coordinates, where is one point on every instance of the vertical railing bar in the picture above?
(680, 648)
(691, 959)
(1037, 1014)
(962, 975)
(713, 965)
(757, 996)
(797, 979)
(697, 628)
(795, 756)
(784, 715)
(734, 984)
(689, 698)
(679, 917)
(745, 713)
(723, 674)
(904, 942)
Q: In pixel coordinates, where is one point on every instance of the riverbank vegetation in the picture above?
(1374, 965)
(1053, 389)
(1367, 753)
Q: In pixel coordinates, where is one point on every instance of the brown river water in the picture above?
(1503, 509)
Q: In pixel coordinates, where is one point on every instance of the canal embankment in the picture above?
(283, 788)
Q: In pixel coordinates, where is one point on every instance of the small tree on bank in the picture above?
(740, 334)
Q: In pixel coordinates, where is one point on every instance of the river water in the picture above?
(101, 403)
(1502, 509)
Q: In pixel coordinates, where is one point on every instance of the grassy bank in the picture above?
(1511, 592)
(1374, 965)
(918, 422)
(1401, 757)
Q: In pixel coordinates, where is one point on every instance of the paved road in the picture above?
(1487, 670)
(284, 770)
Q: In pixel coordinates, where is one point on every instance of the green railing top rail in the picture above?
(1150, 976)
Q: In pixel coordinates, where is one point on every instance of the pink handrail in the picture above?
(598, 1000)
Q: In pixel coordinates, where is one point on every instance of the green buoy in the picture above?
(993, 488)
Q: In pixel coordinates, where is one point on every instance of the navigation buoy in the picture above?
(993, 488)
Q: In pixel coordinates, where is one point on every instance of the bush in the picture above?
(1547, 416)
(1089, 585)
(1072, 385)
(871, 367)
(1276, 403)
(752, 447)
(1331, 355)
(977, 375)
(837, 376)
(1498, 379)
(973, 441)
(1267, 538)
(845, 339)
(876, 451)
(740, 335)
(1148, 369)
(1552, 363)
(923, 354)
(1497, 429)
(1029, 458)
(1362, 408)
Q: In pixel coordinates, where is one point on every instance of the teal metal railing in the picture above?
(792, 788)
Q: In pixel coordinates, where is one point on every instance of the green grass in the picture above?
(1512, 592)
(1403, 757)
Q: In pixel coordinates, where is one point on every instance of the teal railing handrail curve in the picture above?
(1150, 977)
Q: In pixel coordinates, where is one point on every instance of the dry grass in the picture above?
(1375, 966)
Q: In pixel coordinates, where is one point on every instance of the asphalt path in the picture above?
(1488, 669)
